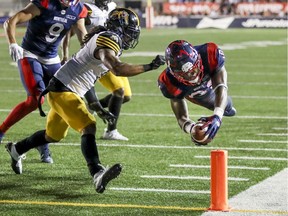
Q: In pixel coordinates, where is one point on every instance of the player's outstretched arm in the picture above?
(113, 63)
(179, 107)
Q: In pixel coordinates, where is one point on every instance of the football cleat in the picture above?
(104, 176)
(113, 135)
(16, 159)
(231, 112)
(45, 155)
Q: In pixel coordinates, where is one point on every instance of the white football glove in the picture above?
(16, 51)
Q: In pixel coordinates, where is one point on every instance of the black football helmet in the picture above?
(184, 62)
(126, 24)
(102, 4)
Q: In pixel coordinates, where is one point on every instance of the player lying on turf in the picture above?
(197, 74)
(75, 80)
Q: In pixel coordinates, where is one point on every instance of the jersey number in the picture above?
(54, 32)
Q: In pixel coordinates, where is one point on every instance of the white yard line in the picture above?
(247, 158)
(272, 134)
(262, 141)
(159, 190)
(189, 177)
(172, 147)
(208, 167)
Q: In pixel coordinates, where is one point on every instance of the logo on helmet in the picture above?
(187, 67)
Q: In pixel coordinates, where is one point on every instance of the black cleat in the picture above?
(16, 159)
(104, 176)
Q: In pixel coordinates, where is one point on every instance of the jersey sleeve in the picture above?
(216, 57)
(111, 41)
(83, 13)
(41, 3)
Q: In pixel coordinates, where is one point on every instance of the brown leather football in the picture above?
(198, 133)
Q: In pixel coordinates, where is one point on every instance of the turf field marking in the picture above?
(171, 115)
(272, 134)
(172, 147)
(176, 208)
(161, 190)
(247, 158)
(208, 167)
(262, 141)
(190, 177)
(278, 128)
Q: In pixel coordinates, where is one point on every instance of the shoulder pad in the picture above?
(110, 40)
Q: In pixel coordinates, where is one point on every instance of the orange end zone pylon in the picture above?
(219, 181)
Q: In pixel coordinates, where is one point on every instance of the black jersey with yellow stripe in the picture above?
(108, 39)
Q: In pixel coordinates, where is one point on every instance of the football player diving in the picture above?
(197, 74)
(37, 57)
(75, 80)
(119, 87)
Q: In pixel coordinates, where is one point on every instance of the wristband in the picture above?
(219, 112)
(187, 126)
(147, 67)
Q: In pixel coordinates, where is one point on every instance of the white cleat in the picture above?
(113, 135)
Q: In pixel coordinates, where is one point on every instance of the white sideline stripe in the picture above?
(272, 134)
(172, 147)
(190, 177)
(268, 195)
(262, 141)
(208, 167)
(160, 190)
(247, 158)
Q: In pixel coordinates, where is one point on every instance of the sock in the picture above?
(37, 139)
(115, 108)
(105, 101)
(19, 112)
(90, 153)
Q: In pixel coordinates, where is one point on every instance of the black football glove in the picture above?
(156, 63)
(106, 116)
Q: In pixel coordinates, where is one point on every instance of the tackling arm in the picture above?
(113, 63)
(180, 109)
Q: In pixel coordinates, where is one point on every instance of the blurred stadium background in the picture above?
(194, 13)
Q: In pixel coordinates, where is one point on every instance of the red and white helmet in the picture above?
(68, 3)
(184, 62)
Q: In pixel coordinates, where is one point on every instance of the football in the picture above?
(198, 133)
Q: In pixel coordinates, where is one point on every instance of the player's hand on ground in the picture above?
(214, 123)
(16, 51)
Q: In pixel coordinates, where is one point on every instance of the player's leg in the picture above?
(30, 83)
(48, 72)
(73, 110)
(120, 88)
(207, 100)
(55, 126)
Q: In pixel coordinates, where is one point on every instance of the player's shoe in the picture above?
(104, 176)
(45, 155)
(113, 135)
(1, 136)
(16, 159)
(231, 112)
